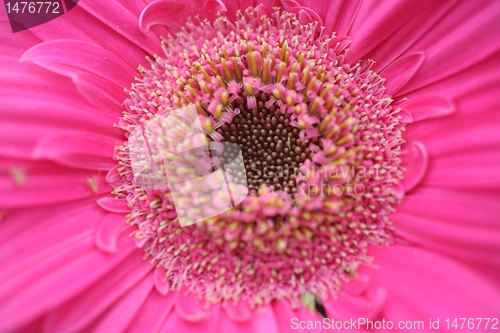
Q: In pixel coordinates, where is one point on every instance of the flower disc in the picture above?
(320, 144)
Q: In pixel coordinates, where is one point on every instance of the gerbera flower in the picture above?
(364, 133)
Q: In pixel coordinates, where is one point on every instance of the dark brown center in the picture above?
(271, 148)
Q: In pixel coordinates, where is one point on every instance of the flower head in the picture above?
(320, 143)
(357, 142)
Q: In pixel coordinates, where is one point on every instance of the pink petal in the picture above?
(415, 160)
(426, 107)
(399, 72)
(55, 280)
(153, 313)
(347, 306)
(471, 28)
(19, 136)
(267, 5)
(264, 320)
(239, 312)
(33, 78)
(460, 138)
(189, 307)
(35, 108)
(161, 280)
(68, 57)
(122, 313)
(459, 207)
(478, 82)
(113, 205)
(84, 151)
(227, 325)
(340, 16)
(84, 308)
(15, 144)
(38, 179)
(113, 177)
(463, 242)
(417, 25)
(446, 288)
(100, 93)
(177, 321)
(56, 228)
(108, 232)
(357, 285)
(284, 313)
(211, 8)
(75, 26)
(305, 14)
(475, 170)
(375, 23)
(232, 6)
(244, 4)
(170, 13)
(12, 45)
(123, 21)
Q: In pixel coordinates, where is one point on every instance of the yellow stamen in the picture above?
(227, 72)
(237, 69)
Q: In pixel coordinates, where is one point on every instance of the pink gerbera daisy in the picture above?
(360, 140)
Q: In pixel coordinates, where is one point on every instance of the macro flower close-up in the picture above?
(249, 166)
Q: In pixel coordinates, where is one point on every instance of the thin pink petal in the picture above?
(189, 306)
(113, 177)
(460, 207)
(475, 170)
(67, 57)
(84, 151)
(463, 242)
(227, 325)
(264, 320)
(153, 313)
(427, 107)
(417, 25)
(415, 160)
(114, 205)
(178, 322)
(340, 16)
(284, 314)
(399, 72)
(73, 270)
(108, 232)
(99, 93)
(461, 137)
(46, 229)
(474, 82)
(31, 183)
(211, 8)
(123, 21)
(75, 26)
(239, 312)
(35, 108)
(161, 280)
(375, 23)
(471, 28)
(347, 306)
(84, 308)
(446, 288)
(170, 13)
(121, 314)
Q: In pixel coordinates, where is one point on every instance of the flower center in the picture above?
(320, 144)
(271, 147)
